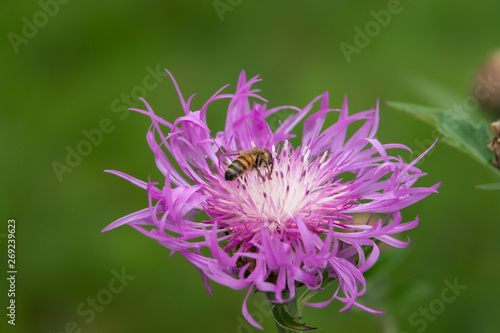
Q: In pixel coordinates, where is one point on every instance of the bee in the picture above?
(494, 145)
(247, 160)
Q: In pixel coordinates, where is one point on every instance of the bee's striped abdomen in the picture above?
(238, 167)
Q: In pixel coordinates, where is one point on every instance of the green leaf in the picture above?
(286, 321)
(492, 187)
(457, 129)
(286, 314)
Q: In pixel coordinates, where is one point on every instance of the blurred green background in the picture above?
(73, 72)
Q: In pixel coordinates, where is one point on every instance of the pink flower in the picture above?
(294, 225)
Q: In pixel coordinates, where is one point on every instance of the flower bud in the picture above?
(487, 84)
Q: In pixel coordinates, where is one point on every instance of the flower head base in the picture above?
(293, 225)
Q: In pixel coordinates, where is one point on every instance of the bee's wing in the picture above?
(233, 152)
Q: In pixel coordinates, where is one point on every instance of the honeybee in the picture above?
(247, 160)
(494, 145)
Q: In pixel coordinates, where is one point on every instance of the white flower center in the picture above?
(299, 187)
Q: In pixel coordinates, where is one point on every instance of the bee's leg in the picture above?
(258, 171)
(270, 172)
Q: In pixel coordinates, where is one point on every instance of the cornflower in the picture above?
(289, 223)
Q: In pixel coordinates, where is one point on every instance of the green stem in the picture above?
(291, 307)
